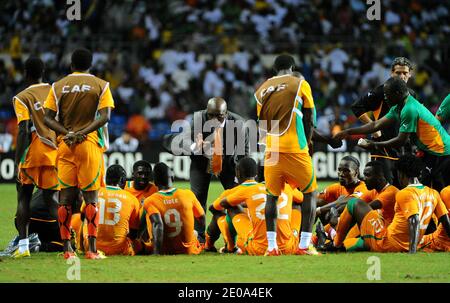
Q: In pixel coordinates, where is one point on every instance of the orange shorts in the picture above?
(125, 248)
(44, 177)
(293, 168)
(436, 241)
(290, 246)
(80, 166)
(38, 165)
(244, 227)
(353, 232)
(374, 233)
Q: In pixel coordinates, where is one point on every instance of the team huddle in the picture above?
(397, 208)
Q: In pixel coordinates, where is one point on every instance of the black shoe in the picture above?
(321, 235)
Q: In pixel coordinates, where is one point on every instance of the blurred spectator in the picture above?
(164, 59)
(138, 127)
(6, 139)
(125, 143)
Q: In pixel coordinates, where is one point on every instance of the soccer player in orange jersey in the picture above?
(118, 215)
(380, 194)
(141, 187)
(35, 153)
(414, 207)
(250, 225)
(172, 212)
(285, 109)
(334, 196)
(439, 240)
(77, 109)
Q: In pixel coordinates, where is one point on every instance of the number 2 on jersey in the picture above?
(283, 201)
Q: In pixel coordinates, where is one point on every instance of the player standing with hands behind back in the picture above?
(286, 105)
(82, 103)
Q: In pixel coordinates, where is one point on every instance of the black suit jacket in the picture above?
(235, 139)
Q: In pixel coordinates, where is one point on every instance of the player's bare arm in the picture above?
(445, 221)
(368, 128)
(23, 140)
(342, 200)
(413, 233)
(364, 118)
(308, 123)
(104, 117)
(158, 233)
(398, 141)
(317, 136)
(224, 203)
(52, 123)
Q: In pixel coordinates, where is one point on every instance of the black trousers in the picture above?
(200, 180)
(436, 173)
(390, 170)
(48, 233)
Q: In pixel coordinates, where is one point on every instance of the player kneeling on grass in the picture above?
(439, 240)
(119, 216)
(250, 226)
(172, 213)
(380, 195)
(415, 204)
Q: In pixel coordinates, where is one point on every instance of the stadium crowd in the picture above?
(165, 59)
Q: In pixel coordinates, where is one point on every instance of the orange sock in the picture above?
(64, 219)
(296, 220)
(92, 219)
(225, 230)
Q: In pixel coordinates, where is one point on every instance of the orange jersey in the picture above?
(118, 213)
(334, 191)
(28, 105)
(177, 208)
(440, 233)
(387, 198)
(414, 200)
(76, 99)
(281, 99)
(141, 195)
(254, 196)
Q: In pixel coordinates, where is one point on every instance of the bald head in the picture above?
(216, 108)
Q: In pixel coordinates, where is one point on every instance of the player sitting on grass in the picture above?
(333, 195)
(172, 213)
(380, 195)
(415, 204)
(119, 216)
(439, 240)
(250, 225)
(141, 187)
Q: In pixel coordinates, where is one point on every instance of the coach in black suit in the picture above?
(201, 142)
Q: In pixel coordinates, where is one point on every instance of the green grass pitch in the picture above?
(209, 267)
